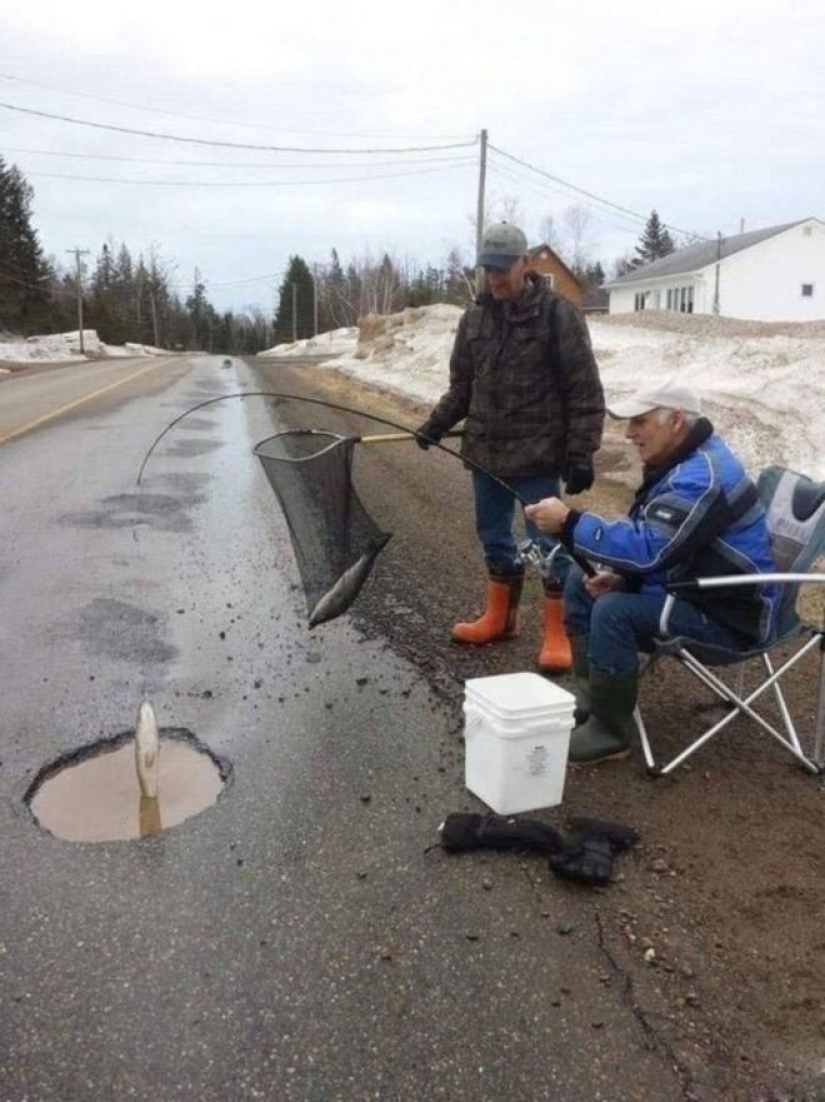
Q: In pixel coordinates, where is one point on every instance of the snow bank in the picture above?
(336, 342)
(65, 348)
(764, 386)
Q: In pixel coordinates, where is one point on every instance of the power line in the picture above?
(230, 145)
(629, 224)
(198, 118)
(46, 288)
(459, 161)
(213, 164)
(590, 195)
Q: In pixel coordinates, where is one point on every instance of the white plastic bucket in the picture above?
(516, 738)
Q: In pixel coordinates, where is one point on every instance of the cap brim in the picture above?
(622, 411)
(496, 260)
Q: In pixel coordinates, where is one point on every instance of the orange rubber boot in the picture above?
(555, 655)
(500, 618)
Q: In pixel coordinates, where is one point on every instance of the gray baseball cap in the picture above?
(501, 246)
(670, 394)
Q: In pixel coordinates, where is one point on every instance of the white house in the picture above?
(775, 274)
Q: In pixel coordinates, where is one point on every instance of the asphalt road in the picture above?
(306, 938)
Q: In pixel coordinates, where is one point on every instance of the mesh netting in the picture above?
(334, 538)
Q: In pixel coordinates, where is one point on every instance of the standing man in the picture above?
(522, 373)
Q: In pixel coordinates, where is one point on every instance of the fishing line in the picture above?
(588, 569)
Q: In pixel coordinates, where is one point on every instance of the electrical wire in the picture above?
(590, 195)
(459, 161)
(215, 164)
(203, 118)
(231, 145)
(542, 190)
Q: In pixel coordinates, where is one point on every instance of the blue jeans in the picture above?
(619, 625)
(495, 509)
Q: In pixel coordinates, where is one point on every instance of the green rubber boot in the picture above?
(605, 735)
(581, 672)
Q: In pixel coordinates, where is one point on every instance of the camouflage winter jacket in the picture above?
(522, 373)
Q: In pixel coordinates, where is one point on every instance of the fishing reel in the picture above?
(533, 553)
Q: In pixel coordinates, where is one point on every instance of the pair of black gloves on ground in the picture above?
(585, 854)
(577, 472)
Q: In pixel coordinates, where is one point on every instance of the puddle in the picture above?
(94, 795)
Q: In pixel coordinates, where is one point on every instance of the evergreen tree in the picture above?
(102, 305)
(594, 274)
(458, 280)
(197, 308)
(295, 315)
(24, 274)
(654, 243)
(336, 312)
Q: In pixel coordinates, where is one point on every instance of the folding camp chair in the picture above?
(796, 523)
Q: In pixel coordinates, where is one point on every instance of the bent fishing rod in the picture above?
(408, 434)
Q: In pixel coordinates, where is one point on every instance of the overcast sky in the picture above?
(711, 112)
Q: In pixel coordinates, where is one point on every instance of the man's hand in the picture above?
(548, 515)
(432, 432)
(578, 474)
(604, 581)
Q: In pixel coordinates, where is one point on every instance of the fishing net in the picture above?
(334, 538)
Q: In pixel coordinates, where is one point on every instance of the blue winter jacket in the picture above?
(696, 516)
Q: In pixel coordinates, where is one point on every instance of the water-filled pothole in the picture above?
(94, 795)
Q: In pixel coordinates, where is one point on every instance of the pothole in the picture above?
(94, 794)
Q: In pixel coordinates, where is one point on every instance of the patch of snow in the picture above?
(65, 348)
(763, 387)
(335, 342)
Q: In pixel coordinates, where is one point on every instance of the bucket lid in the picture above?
(518, 693)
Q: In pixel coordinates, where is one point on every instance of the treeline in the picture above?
(124, 299)
(329, 296)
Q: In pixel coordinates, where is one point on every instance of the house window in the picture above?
(807, 290)
(640, 301)
(551, 280)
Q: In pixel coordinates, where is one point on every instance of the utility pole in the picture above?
(154, 316)
(315, 299)
(482, 178)
(77, 253)
(294, 312)
(718, 259)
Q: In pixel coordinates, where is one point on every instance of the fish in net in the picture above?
(334, 538)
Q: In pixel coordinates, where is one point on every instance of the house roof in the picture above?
(700, 255)
(536, 250)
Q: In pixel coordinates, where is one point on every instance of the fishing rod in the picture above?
(586, 566)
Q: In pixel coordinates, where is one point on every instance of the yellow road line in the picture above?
(71, 405)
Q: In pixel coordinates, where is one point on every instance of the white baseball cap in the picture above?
(667, 395)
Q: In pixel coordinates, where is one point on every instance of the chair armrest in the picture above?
(742, 579)
(675, 589)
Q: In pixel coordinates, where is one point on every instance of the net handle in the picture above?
(396, 437)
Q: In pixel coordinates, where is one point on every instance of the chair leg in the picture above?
(819, 730)
(740, 706)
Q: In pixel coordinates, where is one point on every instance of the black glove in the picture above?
(578, 474)
(433, 433)
(590, 849)
(464, 830)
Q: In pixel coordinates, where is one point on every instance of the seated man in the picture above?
(696, 513)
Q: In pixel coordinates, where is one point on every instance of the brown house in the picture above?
(549, 264)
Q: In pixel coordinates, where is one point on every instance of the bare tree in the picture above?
(549, 234)
(579, 244)
(509, 208)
